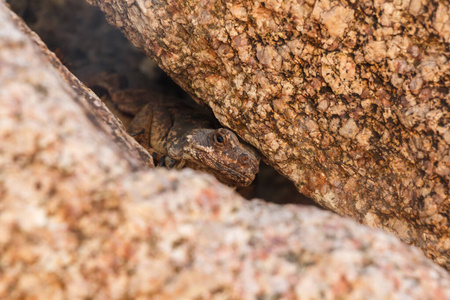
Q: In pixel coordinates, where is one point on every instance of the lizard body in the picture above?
(188, 136)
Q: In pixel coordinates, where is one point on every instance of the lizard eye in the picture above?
(219, 138)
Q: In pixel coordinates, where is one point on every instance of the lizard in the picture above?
(187, 136)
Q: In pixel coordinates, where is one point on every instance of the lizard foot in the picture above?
(168, 162)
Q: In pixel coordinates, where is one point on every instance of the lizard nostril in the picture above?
(243, 158)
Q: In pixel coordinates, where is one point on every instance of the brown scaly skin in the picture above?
(188, 137)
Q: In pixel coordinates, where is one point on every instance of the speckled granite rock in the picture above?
(347, 99)
(77, 221)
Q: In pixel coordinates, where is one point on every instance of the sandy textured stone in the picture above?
(348, 101)
(79, 221)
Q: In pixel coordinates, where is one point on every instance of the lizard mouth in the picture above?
(223, 171)
(246, 179)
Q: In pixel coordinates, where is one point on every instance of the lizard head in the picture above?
(219, 151)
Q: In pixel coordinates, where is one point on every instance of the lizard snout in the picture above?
(247, 162)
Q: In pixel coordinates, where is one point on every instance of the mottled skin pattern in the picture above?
(188, 137)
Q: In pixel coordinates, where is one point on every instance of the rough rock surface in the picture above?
(77, 221)
(350, 101)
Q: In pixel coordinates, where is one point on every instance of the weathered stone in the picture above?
(349, 101)
(78, 220)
